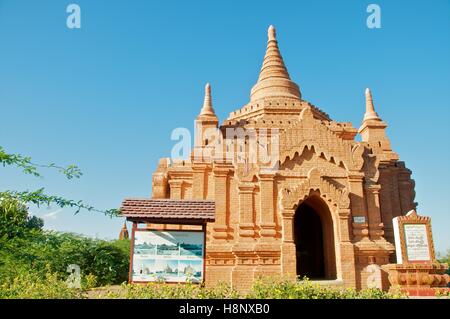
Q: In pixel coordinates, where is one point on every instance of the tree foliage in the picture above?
(14, 218)
(32, 257)
(28, 167)
(39, 197)
(26, 248)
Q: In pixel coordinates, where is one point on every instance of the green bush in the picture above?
(279, 288)
(107, 261)
(33, 286)
(15, 220)
(170, 291)
(268, 288)
(25, 247)
(30, 285)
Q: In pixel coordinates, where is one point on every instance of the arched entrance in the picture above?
(314, 240)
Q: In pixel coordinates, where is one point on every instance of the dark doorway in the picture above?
(309, 243)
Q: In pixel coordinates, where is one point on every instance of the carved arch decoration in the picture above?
(333, 196)
(311, 133)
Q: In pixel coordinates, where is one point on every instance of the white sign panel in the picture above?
(168, 256)
(416, 242)
(359, 219)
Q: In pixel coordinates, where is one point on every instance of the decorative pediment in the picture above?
(333, 196)
(312, 133)
(302, 163)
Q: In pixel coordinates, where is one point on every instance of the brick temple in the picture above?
(323, 211)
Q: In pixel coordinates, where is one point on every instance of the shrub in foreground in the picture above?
(25, 247)
(108, 261)
(267, 288)
(276, 288)
(32, 286)
(170, 291)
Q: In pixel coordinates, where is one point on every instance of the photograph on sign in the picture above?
(168, 256)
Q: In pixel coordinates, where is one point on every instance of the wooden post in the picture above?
(130, 271)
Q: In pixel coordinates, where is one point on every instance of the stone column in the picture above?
(222, 262)
(358, 206)
(386, 208)
(374, 214)
(344, 215)
(221, 198)
(345, 266)
(395, 196)
(267, 206)
(246, 220)
(244, 249)
(288, 251)
(198, 180)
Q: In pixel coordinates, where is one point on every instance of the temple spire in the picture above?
(370, 109)
(124, 232)
(274, 78)
(373, 131)
(204, 123)
(273, 64)
(207, 108)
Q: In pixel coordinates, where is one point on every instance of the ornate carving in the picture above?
(310, 132)
(290, 198)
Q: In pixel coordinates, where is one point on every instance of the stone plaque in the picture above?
(417, 271)
(416, 241)
(413, 240)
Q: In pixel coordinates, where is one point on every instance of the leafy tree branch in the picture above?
(28, 167)
(38, 197)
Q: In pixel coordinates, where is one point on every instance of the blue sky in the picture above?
(107, 96)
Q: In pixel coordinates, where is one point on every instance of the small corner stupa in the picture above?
(124, 232)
